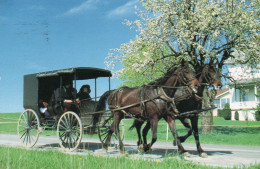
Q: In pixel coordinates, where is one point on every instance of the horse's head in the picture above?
(211, 75)
(187, 77)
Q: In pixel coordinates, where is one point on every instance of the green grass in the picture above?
(9, 127)
(235, 133)
(50, 159)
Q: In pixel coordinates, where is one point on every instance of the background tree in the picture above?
(200, 31)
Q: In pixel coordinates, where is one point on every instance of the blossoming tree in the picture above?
(200, 31)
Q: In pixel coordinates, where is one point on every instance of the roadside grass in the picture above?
(49, 159)
(225, 131)
(10, 127)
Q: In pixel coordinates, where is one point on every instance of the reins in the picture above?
(180, 75)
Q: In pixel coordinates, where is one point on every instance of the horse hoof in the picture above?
(140, 148)
(104, 149)
(149, 151)
(185, 154)
(203, 155)
(122, 150)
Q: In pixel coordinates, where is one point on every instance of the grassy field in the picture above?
(10, 127)
(22, 158)
(225, 131)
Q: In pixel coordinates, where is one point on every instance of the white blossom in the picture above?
(189, 29)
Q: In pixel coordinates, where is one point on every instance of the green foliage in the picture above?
(196, 31)
(226, 112)
(144, 73)
(257, 114)
(236, 116)
(227, 106)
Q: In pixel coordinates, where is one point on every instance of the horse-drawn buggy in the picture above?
(176, 95)
(70, 125)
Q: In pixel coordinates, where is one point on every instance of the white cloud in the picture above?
(87, 5)
(124, 9)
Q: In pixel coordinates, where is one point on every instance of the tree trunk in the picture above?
(207, 116)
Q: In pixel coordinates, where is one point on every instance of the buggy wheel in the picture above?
(69, 131)
(28, 128)
(103, 131)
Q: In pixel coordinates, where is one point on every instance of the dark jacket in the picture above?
(83, 96)
(62, 94)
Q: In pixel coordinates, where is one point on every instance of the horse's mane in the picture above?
(164, 78)
(126, 87)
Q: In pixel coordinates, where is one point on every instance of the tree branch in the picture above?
(167, 42)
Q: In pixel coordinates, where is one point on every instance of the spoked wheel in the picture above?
(69, 131)
(103, 131)
(28, 128)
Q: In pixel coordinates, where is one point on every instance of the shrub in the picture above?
(236, 116)
(226, 112)
(257, 115)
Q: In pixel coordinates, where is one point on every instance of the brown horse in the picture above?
(186, 102)
(148, 102)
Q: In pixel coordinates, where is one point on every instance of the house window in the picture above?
(244, 94)
(223, 102)
(217, 103)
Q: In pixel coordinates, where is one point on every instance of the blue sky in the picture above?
(43, 35)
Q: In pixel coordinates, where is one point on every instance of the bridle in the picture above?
(183, 79)
(209, 79)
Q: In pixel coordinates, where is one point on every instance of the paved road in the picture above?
(218, 155)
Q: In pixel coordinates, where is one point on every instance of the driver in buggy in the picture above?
(65, 98)
(84, 92)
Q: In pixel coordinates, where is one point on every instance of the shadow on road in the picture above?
(130, 149)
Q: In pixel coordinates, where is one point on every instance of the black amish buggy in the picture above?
(70, 125)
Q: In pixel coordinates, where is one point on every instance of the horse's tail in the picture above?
(137, 124)
(132, 127)
(100, 106)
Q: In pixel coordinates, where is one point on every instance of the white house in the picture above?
(240, 94)
(222, 97)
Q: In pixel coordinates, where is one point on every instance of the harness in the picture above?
(160, 94)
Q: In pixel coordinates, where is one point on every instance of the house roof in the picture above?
(221, 92)
(245, 82)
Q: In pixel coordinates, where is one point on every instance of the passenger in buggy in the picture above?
(43, 106)
(83, 93)
(65, 98)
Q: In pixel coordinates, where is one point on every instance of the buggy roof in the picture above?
(80, 72)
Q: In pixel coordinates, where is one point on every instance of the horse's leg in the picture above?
(153, 125)
(112, 129)
(172, 126)
(138, 124)
(186, 124)
(118, 117)
(145, 131)
(194, 123)
(108, 137)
